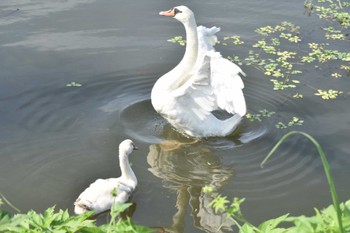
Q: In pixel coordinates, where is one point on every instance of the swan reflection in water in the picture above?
(187, 168)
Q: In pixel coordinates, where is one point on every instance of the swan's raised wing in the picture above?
(227, 84)
(214, 84)
(206, 40)
(197, 95)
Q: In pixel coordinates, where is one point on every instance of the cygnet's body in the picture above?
(101, 194)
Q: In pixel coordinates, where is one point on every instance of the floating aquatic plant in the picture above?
(178, 39)
(298, 96)
(258, 116)
(235, 40)
(293, 122)
(74, 84)
(327, 95)
(284, 66)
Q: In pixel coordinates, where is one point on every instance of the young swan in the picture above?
(101, 194)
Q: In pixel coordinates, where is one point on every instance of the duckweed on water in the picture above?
(74, 84)
(264, 113)
(280, 55)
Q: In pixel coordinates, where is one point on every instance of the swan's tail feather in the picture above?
(232, 123)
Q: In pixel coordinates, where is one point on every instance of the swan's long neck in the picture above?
(179, 75)
(191, 52)
(125, 167)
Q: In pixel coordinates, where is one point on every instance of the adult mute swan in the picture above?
(202, 83)
(101, 194)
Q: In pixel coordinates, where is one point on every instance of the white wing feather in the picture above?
(215, 82)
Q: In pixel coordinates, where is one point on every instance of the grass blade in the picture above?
(9, 203)
(325, 166)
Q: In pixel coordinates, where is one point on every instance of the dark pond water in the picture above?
(55, 140)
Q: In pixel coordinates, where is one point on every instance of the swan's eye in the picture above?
(177, 11)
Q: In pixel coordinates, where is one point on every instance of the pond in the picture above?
(76, 78)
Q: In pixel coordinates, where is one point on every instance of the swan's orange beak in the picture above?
(170, 13)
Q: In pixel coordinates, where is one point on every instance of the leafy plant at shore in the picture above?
(324, 221)
(61, 221)
(333, 219)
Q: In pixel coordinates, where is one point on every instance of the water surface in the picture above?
(55, 140)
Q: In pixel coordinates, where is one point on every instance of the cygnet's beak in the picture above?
(170, 13)
(136, 148)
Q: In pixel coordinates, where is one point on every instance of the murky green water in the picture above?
(55, 140)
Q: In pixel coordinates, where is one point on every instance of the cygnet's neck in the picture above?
(127, 172)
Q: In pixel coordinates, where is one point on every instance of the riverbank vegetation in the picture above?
(333, 219)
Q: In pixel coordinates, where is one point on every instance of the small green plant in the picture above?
(293, 122)
(281, 125)
(74, 84)
(327, 95)
(258, 116)
(178, 39)
(298, 96)
(236, 40)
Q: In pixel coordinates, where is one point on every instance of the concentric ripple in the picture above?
(242, 152)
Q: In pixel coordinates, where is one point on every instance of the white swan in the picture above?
(201, 83)
(101, 194)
